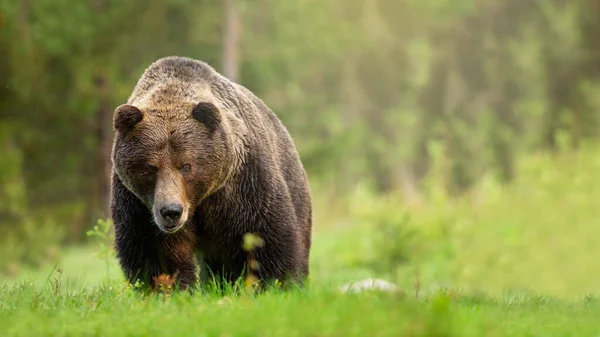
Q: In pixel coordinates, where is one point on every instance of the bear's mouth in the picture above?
(170, 230)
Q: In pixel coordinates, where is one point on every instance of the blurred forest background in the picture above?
(415, 101)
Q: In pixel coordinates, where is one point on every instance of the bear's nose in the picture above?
(171, 212)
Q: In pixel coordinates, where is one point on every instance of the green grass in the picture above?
(60, 309)
(517, 260)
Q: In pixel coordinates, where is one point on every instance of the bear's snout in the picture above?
(170, 205)
(171, 213)
(170, 216)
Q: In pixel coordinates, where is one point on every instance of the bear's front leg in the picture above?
(144, 253)
(177, 259)
(281, 258)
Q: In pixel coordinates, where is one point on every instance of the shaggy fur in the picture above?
(188, 136)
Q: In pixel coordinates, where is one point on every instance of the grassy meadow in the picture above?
(517, 260)
(477, 115)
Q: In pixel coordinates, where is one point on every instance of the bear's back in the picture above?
(172, 73)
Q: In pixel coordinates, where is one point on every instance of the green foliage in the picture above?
(42, 238)
(26, 238)
(531, 234)
(34, 242)
(104, 234)
(392, 242)
(11, 178)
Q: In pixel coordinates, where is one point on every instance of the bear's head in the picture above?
(173, 158)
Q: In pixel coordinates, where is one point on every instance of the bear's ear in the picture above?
(126, 117)
(208, 114)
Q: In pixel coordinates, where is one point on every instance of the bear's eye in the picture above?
(150, 168)
(185, 168)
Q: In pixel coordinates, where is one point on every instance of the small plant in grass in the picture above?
(103, 232)
(251, 242)
(165, 284)
(55, 283)
(392, 242)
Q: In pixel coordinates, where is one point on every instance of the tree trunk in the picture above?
(104, 120)
(231, 36)
(104, 130)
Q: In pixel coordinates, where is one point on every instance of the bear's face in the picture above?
(173, 159)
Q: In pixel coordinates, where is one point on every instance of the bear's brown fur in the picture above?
(199, 161)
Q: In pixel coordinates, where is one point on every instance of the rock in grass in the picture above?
(369, 285)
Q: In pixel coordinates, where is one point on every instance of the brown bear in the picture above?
(198, 162)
